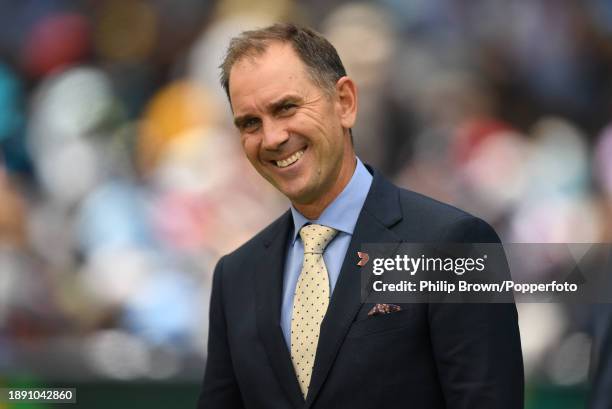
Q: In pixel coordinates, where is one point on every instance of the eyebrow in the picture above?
(273, 107)
(239, 121)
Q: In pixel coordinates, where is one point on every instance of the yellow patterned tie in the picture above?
(310, 301)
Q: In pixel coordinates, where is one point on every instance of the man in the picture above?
(287, 326)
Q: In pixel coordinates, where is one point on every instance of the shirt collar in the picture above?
(342, 213)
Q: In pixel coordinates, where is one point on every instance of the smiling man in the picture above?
(287, 326)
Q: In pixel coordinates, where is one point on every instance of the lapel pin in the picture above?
(363, 258)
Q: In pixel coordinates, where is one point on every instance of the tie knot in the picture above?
(316, 237)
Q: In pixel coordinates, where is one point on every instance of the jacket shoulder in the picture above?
(438, 221)
(417, 203)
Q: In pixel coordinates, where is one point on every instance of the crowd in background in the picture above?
(122, 180)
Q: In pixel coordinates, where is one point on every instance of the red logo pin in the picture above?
(363, 258)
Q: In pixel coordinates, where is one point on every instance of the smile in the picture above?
(290, 160)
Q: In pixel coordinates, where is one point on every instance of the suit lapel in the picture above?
(268, 289)
(381, 210)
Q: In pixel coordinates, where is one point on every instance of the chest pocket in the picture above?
(377, 324)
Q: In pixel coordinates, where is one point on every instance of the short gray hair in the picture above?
(321, 59)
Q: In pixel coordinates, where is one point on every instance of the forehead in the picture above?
(277, 71)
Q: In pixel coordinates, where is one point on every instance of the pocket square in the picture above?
(384, 309)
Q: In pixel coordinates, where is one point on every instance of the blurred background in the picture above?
(121, 174)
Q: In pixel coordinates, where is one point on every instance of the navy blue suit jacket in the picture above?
(426, 356)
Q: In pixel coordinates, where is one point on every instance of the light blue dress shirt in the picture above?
(341, 215)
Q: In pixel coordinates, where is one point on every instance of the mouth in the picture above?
(290, 160)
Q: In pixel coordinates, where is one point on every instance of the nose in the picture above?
(275, 134)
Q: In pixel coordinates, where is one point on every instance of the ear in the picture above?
(346, 91)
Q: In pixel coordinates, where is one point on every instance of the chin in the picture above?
(296, 192)
(295, 195)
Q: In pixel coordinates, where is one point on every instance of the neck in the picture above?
(313, 210)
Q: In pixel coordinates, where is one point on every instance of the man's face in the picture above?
(292, 131)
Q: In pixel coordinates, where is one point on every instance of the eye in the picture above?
(250, 125)
(287, 108)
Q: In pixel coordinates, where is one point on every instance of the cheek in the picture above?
(250, 146)
(311, 122)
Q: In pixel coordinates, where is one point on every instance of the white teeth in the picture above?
(290, 160)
